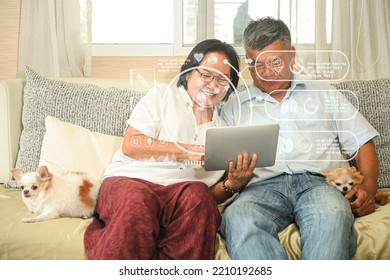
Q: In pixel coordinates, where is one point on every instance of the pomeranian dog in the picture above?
(345, 177)
(50, 196)
(382, 197)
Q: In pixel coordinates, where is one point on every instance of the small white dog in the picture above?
(51, 196)
(343, 178)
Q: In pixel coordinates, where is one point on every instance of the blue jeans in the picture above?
(252, 222)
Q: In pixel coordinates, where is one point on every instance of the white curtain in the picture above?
(55, 37)
(359, 47)
(361, 30)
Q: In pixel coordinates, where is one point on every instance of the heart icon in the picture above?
(198, 56)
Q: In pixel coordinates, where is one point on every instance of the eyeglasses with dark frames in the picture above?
(207, 78)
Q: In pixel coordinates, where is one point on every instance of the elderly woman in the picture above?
(155, 203)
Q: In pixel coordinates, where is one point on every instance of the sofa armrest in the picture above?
(11, 103)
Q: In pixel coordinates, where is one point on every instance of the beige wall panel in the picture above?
(160, 68)
(151, 66)
(9, 34)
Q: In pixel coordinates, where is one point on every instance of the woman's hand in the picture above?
(238, 176)
(193, 152)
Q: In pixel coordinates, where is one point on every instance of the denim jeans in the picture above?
(252, 222)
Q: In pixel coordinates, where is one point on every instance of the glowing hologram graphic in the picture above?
(212, 58)
(198, 56)
(275, 64)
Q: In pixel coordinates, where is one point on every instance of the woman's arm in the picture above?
(141, 147)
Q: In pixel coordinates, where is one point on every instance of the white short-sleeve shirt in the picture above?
(166, 114)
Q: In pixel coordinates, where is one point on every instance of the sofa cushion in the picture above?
(69, 147)
(373, 102)
(103, 110)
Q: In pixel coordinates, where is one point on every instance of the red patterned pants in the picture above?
(137, 219)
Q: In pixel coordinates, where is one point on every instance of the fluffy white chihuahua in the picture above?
(343, 178)
(51, 196)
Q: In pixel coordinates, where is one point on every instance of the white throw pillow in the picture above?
(103, 110)
(69, 147)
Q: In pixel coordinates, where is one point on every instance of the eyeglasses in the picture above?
(275, 63)
(256, 65)
(207, 78)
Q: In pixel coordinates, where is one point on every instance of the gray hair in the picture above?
(264, 31)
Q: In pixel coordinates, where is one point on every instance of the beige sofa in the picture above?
(63, 238)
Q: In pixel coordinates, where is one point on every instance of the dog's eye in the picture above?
(34, 187)
(22, 187)
(338, 184)
(351, 183)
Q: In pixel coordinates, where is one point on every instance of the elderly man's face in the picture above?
(271, 67)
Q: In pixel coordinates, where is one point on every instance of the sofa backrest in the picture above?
(97, 109)
(15, 97)
(373, 103)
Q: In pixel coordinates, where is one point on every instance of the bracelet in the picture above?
(227, 189)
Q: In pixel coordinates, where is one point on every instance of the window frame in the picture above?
(178, 48)
(205, 30)
(99, 49)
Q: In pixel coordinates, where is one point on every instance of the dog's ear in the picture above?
(328, 176)
(357, 177)
(17, 173)
(43, 173)
(353, 169)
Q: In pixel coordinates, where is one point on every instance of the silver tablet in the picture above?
(223, 144)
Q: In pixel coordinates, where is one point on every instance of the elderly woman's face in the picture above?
(208, 84)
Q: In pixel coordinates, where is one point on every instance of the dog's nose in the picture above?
(345, 189)
(25, 191)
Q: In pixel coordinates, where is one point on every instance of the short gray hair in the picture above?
(264, 31)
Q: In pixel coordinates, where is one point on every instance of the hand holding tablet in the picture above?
(224, 144)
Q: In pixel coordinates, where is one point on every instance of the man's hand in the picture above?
(364, 203)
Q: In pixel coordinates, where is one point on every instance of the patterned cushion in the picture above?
(94, 108)
(374, 99)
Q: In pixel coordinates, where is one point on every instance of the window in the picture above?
(172, 27)
(122, 22)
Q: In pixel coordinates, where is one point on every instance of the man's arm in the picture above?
(368, 165)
